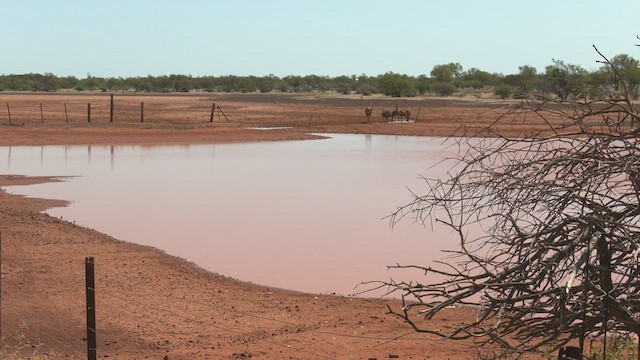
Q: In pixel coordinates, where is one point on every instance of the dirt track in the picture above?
(154, 305)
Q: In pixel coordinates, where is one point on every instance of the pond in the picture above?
(301, 215)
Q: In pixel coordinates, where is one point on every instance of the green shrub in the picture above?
(504, 91)
(443, 88)
(619, 347)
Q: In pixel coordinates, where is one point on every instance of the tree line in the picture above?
(560, 80)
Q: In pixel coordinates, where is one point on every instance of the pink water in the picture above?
(301, 215)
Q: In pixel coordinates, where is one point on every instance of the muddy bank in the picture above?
(152, 304)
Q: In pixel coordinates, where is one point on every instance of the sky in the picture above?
(129, 38)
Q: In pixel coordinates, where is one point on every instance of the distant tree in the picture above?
(139, 84)
(503, 90)
(525, 82)
(203, 83)
(477, 79)
(160, 83)
(113, 83)
(446, 72)
(91, 83)
(268, 83)
(180, 83)
(443, 88)
(599, 78)
(396, 85)
(344, 84)
(366, 85)
(624, 68)
(423, 84)
(564, 80)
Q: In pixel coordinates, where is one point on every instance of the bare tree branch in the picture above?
(561, 198)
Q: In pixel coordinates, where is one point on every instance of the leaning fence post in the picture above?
(213, 111)
(9, 112)
(41, 115)
(66, 115)
(91, 308)
(223, 114)
(89, 112)
(142, 112)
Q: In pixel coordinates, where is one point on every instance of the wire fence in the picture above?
(20, 110)
(235, 326)
(111, 109)
(69, 346)
(73, 345)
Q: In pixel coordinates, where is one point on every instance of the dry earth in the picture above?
(153, 305)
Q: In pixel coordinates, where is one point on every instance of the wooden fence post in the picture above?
(89, 112)
(142, 112)
(41, 115)
(111, 109)
(223, 114)
(91, 308)
(213, 111)
(9, 112)
(66, 115)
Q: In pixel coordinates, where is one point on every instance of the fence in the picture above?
(71, 344)
(111, 109)
(76, 348)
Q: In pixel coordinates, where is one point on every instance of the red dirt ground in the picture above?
(152, 305)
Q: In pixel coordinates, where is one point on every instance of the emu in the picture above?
(396, 114)
(386, 114)
(368, 112)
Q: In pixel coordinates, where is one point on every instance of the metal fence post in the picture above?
(91, 308)
(111, 109)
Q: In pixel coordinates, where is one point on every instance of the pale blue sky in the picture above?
(302, 37)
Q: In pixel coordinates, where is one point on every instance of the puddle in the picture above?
(301, 215)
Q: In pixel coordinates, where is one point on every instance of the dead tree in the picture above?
(557, 256)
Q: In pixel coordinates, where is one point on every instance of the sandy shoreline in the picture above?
(153, 304)
(150, 304)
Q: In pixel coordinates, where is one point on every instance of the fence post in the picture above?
(142, 112)
(89, 112)
(9, 112)
(91, 308)
(41, 115)
(223, 114)
(66, 115)
(213, 110)
(111, 109)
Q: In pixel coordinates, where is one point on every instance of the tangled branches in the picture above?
(548, 226)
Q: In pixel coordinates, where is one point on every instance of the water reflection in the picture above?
(303, 215)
